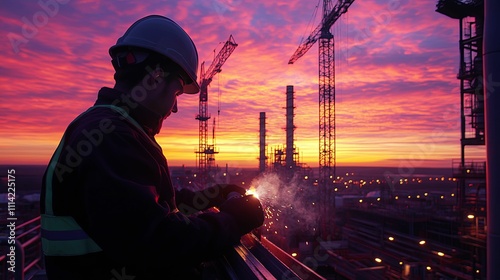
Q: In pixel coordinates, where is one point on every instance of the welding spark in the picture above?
(252, 191)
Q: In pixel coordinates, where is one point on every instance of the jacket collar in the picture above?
(149, 121)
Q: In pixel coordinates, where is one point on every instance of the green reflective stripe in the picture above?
(49, 178)
(69, 247)
(50, 222)
(74, 247)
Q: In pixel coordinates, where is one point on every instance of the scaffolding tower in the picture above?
(471, 174)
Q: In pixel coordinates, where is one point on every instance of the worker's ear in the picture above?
(154, 77)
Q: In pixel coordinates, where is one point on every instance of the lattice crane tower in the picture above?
(206, 152)
(327, 137)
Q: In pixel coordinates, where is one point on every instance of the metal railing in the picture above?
(25, 256)
(469, 168)
(251, 259)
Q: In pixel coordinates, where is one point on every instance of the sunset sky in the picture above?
(397, 93)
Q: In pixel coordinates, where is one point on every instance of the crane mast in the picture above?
(327, 136)
(206, 152)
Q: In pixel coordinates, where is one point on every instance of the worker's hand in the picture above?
(219, 193)
(226, 189)
(247, 212)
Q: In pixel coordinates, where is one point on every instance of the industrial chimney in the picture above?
(289, 128)
(262, 142)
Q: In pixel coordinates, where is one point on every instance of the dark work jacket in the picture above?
(113, 179)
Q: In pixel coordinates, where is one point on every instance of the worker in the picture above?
(108, 207)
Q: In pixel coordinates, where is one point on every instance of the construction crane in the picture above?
(206, 152)
(327, 137)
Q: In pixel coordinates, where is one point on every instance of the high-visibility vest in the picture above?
(62, 235)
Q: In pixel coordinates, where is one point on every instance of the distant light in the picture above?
(391, 238)
(400, 263)
(470, 216)
(360, 201)
(441, 254)
(477, 271)
(294, 254)
(336, 189)
(306, 177)
(242, 183)
(418, 196)
(378, 260)
(409, 196)
(452, 194)
(442, 197)
(422, 242)
(426, 194)
(378, 198)
(428, 268)
(225, 174)
(194, 175)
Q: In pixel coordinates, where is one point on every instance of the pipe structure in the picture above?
(491, 80)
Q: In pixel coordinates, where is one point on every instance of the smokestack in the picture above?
(289, 127)
(491, 79)
(262, 142)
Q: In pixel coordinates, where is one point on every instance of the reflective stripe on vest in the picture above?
(61, 235)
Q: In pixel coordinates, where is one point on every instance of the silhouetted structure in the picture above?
(327, 137)
(206, 152)
(262, 142)
(471, 174)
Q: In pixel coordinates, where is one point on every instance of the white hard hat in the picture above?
(162, 35)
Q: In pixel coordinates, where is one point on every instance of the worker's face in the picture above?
(163, 97)
(173, 88)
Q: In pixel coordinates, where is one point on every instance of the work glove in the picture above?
(226, 189)
(246, 211)
(218, 194)
(189, 202)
